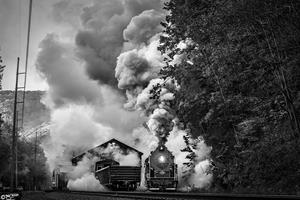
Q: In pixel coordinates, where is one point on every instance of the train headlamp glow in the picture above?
(161, 159)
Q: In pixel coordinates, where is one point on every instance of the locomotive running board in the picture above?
(154, 189)
(159, 189)
(171, 189)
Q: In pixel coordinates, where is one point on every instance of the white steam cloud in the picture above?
(72, 131)
(128, 158)
(82, 178)
(64, 74)
(87, 182)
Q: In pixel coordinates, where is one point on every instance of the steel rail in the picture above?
(181, 195)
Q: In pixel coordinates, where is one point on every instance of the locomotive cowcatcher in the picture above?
(161, 170)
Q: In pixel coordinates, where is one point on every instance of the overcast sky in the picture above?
(13, 33)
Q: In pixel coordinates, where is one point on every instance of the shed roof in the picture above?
(113, 140)
(121, 144)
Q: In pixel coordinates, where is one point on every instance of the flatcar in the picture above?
(116, 177)
(161, 170)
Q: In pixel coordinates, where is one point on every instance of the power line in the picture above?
(27, 52)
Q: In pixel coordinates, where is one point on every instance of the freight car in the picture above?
(59, 180)
(116, 177)
(161, 170)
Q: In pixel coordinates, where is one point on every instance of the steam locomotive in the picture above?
(161, 170)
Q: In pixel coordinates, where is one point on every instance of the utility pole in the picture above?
(21, 100)
(17, 135)
(35, 151)
(13, 147)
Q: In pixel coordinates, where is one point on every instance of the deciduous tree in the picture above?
(239, 78)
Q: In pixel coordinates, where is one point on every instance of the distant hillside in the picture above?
(35, 113)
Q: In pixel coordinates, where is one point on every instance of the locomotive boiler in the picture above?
(161, 170)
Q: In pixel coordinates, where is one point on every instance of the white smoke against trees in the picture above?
(81, 177)
(158, 108)
(200, 176)
(114, 45)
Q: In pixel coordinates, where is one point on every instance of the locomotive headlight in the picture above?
(161, 159)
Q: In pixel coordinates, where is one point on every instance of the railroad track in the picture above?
(178, 195)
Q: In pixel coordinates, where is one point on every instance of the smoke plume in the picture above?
(61, 69)
(100, 40)
(101, 82)
(137, 73)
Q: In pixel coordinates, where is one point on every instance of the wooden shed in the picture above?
(97, 151)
